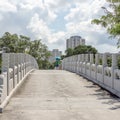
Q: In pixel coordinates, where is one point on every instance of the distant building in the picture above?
(54, 54)
(74, 41)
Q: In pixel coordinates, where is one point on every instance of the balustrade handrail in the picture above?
(102, 69)
(15, 66)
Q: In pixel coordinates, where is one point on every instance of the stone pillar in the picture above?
(96, 59)
(5, 62)
(114, 61)
(25, 62)
(96, 64)
(91, 62)
(78, 62)
(17, 65)
(71, 63)
(83, 57)
(91, 59)
(5, 69)
(114, 66)
(86, 58)
(20, 63)
(104, 62)
(82, 60)
(86, 61)
(12, 65)
(76, 59)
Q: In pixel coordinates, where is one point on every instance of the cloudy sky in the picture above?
(54, 21)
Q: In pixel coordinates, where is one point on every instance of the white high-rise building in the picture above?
(54, 53)
(74, 41)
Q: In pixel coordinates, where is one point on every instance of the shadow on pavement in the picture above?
(103, 94)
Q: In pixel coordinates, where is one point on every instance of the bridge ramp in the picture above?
(61, 95)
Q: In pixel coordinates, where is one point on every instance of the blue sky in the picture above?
(54, 21)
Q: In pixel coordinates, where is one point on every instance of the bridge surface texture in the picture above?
(61, 95)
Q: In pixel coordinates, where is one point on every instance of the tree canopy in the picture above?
(23, 44)
(81, 49)
(69, 52)
(111, 19)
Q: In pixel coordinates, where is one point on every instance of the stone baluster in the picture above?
(86, 61)
(5, 71)
(104, 62)
(97, 58)
(86, 58)
(91, 62)
(114, 66)
(82, 60)
(20, 62)
(71, 63)
(12, 65)
(76, 59)
(91, 58)
(17, 65)
(78, 62)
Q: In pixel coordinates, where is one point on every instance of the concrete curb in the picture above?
(7, 99)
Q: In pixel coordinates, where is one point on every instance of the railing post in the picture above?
(13, 70)
(91, 62)
(82, 61)
(96, 64)
(114, 66)
(5, 69)
(76, 58)
(86, 61)
(78, 62)
(17, 65)
(104, 64)
(12, 65)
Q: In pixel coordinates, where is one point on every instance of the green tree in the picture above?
(81, 49)
(40, 52)
(69, 52)
(111, 19)
(62, 57)
(14, 43)
(84, 49)
(23, 44)
(9, 41)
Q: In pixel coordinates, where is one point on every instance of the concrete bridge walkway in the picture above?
(61, 95)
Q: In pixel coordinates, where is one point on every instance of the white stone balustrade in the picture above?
(15, 66)
(96, 68)
(99, 67)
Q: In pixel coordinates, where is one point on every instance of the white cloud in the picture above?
(79, 22)
(84, 26)
(51, 16)
(6, 6)
(57, 5)
(92, 33)
(107, 48)
(85, 10)
(31, 4)
(1, 17)
(39, 18)
(43, 10)
(41, 29)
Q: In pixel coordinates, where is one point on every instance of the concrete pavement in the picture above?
(61, 95)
